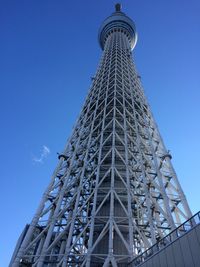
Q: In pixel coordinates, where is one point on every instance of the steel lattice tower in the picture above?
(114, 192)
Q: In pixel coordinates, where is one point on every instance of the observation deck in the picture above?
(118, 21)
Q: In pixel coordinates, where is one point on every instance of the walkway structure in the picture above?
(114, 192)
(179, 248)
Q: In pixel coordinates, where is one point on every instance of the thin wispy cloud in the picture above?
(45, 151)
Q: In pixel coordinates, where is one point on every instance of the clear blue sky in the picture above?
(49, 51)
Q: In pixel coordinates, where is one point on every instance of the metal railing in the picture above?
(172, 236)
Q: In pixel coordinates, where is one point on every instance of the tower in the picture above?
(114, 192)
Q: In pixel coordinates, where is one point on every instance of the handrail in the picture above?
(172, 236)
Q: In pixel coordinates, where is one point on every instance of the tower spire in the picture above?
(118, 7)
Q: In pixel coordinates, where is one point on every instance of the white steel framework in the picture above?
(114, 192)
